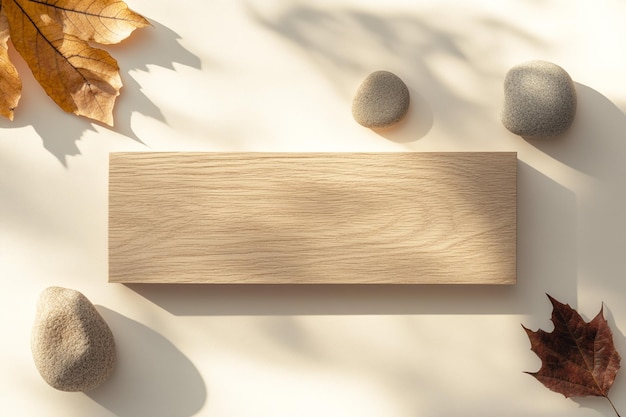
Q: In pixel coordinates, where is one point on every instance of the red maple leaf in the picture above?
(578, 358)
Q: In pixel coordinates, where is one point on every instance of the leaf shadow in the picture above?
(60, 132)
(346, 44)
(155, 46)
(152, 377)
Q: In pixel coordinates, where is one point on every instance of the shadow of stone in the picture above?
(595, 146)
(595, 143)
(152, 377)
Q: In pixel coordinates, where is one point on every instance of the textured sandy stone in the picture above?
(73, 347)
(539, 100)
(381, 100)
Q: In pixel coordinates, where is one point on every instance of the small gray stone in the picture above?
(539, 100)
(381, 100)
(72, 345)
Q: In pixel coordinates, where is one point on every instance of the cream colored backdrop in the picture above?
(279, 76)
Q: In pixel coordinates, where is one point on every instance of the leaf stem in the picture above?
(612, 405)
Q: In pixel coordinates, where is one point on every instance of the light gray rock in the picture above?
(539, 100)
(381, 100)
(72, 345)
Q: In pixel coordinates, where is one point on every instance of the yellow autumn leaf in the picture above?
(102, 21)
(10, 83)
(53, 38)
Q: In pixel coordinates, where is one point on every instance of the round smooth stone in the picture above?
(72, 346)
(539, 100)
(381, 101)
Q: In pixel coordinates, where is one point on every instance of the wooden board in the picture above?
(436, 218)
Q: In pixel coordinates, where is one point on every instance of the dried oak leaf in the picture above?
(53, 37)
(578, 358)
(10, 83)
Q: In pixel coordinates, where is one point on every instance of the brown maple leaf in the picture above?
(53, 37)
(578, 358)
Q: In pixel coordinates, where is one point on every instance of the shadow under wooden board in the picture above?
(393, 218)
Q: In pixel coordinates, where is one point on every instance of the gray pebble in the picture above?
(381, 100)
(539, 100)
(72, 345)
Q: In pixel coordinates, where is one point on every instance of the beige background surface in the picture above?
(279, 76)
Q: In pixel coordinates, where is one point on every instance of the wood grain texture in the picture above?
(435, 218)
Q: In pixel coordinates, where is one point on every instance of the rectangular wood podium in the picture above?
(290, 218)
